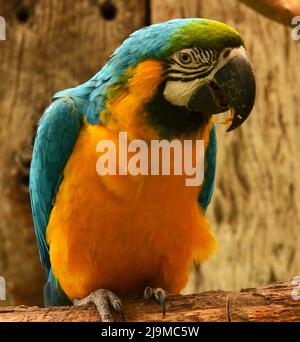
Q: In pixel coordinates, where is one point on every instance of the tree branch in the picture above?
(281, 11)
(271, 303)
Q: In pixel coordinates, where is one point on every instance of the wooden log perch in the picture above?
(271, 303)
(281, 11)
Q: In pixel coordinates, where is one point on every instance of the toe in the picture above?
(148, 293)
(84, 301)
(100, 299)
(160, 296)
(119, 308)
(116, 304)
(103, 300)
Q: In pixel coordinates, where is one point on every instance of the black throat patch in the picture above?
(173, 121)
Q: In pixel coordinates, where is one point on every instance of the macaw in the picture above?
(102, 238)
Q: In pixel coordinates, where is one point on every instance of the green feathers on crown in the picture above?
(203, 33)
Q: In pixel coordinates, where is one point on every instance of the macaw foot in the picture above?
(104, 300)
(159, 294)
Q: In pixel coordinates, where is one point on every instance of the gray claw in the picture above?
(119, 308)
(159, 294)
(148, 293)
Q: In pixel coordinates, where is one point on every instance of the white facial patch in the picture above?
(178, 92)
(184, 78)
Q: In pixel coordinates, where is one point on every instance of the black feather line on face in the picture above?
(186, 78)
(194, 55)
(205, 67)
(172, 121)
(185, 67)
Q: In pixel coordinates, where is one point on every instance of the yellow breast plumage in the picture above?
(123, 232)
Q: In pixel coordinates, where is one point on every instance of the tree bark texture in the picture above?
(269, 304)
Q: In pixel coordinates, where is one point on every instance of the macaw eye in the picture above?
(185, 58)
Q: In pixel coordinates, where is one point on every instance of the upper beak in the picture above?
(233, 87)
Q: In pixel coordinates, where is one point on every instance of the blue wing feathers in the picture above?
(54, 142)
(210, 171)
(53, 294)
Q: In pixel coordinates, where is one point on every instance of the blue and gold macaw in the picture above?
(105, 237)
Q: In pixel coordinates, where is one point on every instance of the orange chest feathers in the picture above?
(123, 232)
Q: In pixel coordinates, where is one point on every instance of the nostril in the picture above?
(226, 53)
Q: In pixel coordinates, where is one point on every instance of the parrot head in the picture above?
(204, 70)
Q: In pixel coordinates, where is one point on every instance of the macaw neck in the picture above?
(173, 121)
(141, 110)
(164, 123)
(157, 120)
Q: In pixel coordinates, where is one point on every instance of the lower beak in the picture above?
(233, 87)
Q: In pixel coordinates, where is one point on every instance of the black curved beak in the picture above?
(233, 87)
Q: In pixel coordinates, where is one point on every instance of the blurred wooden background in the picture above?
(56, 44)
